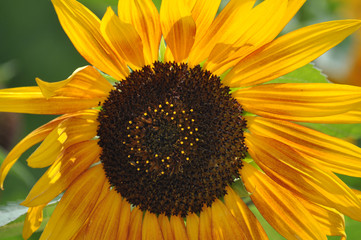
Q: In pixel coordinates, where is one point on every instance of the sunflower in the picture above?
(163, 151)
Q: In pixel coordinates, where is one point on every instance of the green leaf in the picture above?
(157, 4)
(239, 188)
(338, 130)
(13, 230)
(10, 212)
(7, 71)
(108, 77)
(306, 74)
(162, 48)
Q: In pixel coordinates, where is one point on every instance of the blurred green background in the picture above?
(33, 44)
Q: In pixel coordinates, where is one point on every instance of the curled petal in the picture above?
(85, 82)
(63, 172)
(31, 100)
(30, 140)
(33, 219)
(67, 133)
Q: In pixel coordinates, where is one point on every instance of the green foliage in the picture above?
(162, 48)
(13, 230)
(351, 131)
(11, 212)
(306, 74)
(239, 188)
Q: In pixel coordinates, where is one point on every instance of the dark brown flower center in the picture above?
(171, 138)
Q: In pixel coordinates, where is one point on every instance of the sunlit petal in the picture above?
(289, 52)
(83, 28)
(300, 101)
(280, 208)
(123, 38)
(178, 27)
(144, 16)
(282, 164)
(336, 154)
(64, 223)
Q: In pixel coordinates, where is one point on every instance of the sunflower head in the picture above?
(168, 134)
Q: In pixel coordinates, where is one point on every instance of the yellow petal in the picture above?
(85, 82)
(123, 38)
(168, 56)
(205, 224)
(249, 224)
(124, 220)
(104, 221)
(223, 29)
(357, 193)
(151, 229)
(333, 153)
(292, 8)
(63, 172)
(224, 225)
(352, 116)
(68, 132)
(165, 227)
(300, 101)
(203, 13)
(178, 228)
(192, 226)
(144, 16)
(33, 138)
(33, 219)
(135, 224)
(282, 163)
(289, 52)
(76, 205)
(178, 28)
(83, 29)
(31, 100)
(82, 231)
(279, 208)
(261, 27)
(331, 221)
